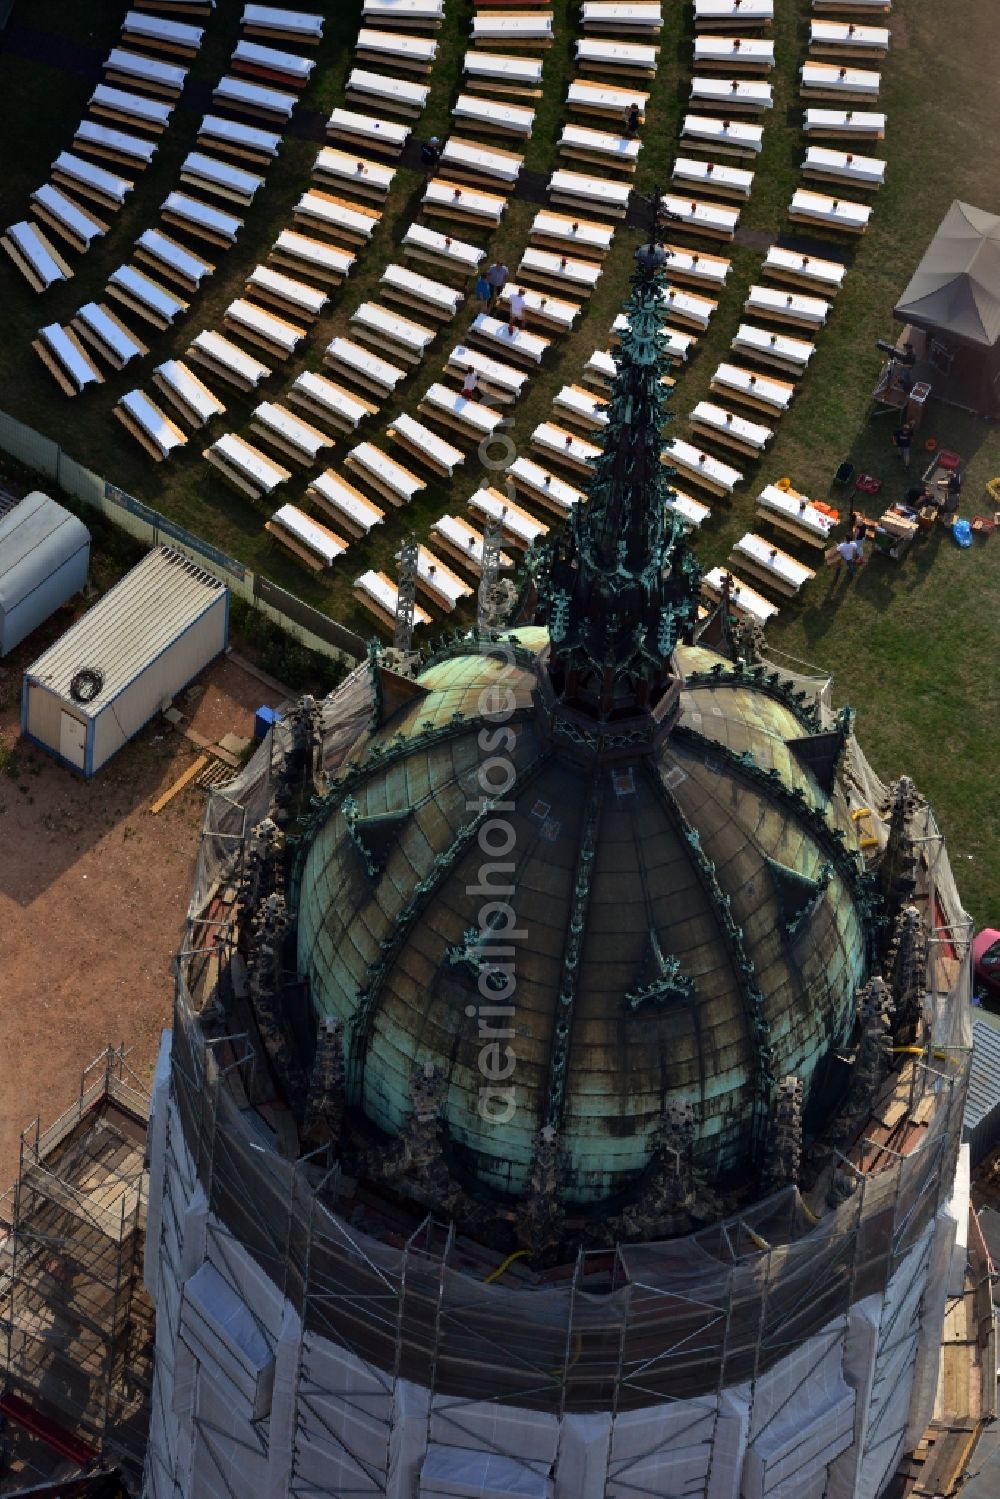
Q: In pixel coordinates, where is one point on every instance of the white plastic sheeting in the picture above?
(455, 1473)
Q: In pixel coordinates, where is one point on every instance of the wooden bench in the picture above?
(98, 326)
(384, 137)
(245, 467)
(464, 544)
(522, 529)
(388, 478)
(493, 116)
(436, 581)
(597, 55)
(793, 308)
(329, 403)
(848, 39)
(744, 600)
(763, 393)
(227, 360)
(587, 238)
(808, 271)
(565, 447)
(367, 179)
(513, 28)
(842, 215)
(442, 250)
(175, 38)
(701, 468)
(844, 124)
(151, 427)
(426, 446)
(825, 165)
(399, 284)
(379, 595)
(189, 396)
(719, 179)
(35, 257)
(730, 96)
(581, 407)
(600, 148)
(313, 544)
(721, 425)
(678, 343)
(284, 293)
(282, 25)
(220, 178)
(543, 487)
(722, 15)
(541, 308)
(130, 109)
(315, 258)
(698, 216)
(244, 97)
(294, 438)
(739, 54)
(770, 565)
(77, 226)
(778, 349)
(234, 138)
(277, 336)
(697, 267)
(604, 99)
(271, 65)
(793, 512)
(397, 96)
(92, 182)
(135, 68)
(516, 78)
(390, 333)
(351, 510)
(173, 260)
(347, 223)
(145, 297)
(94, 139)
(467, 161)
(412, 54)
(66, 360)
(824, 80)
(598, 194)
(471, 419)
(529, 348)
(201, 220)
(468, 205)
(376, 376)
(501, 382)
(559, 272)
(420, 15)
(723, 137)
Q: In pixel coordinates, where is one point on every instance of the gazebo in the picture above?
(954, 298)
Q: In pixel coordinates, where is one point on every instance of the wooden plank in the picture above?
(189, 775)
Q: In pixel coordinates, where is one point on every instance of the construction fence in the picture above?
(312, 629)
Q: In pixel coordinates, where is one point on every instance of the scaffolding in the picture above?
(76, 1326)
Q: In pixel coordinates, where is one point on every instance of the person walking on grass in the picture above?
(903, 438)
(469, 385)
(483, 292)
(632, 121)
(430, 154)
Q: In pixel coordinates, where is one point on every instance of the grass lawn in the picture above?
(912, 646)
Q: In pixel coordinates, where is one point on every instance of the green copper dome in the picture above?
(708, 892)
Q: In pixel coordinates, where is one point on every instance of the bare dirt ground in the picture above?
(93, 891)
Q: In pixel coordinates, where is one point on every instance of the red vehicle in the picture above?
(986, 961)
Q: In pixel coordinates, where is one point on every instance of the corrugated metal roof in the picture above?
(36, 538)
(984, 1076)
(129, 626)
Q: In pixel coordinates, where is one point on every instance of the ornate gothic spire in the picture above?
(622, 589)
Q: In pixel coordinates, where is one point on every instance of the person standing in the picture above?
(903, 438)
(483, 292)
(515, 315)
(497, 277)
(632, 118)
(850, 553)
(430, 154)
(469, 385)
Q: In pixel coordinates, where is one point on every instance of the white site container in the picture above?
(124, 660)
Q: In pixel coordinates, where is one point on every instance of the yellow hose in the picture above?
(496, 1274)
(993, 490)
